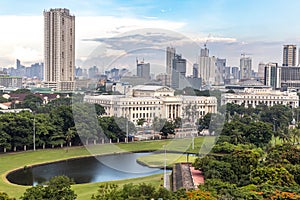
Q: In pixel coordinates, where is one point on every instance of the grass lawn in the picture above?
(13, 161)
(158, 160)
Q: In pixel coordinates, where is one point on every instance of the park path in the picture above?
(197, 176)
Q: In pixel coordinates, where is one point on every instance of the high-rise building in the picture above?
(299, 57)
(18, 64)
(220, 71)
(178, 72)
(59, 49)
(235, 72)
(261, 71)
(207, 67)
(289, 55)
(195, 70)
(93, 72)
(272, 75)
(170, 55)
(290, 77)
(245, 67)
(143, 69)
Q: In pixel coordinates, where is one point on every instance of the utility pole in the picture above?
(127, 138)
(165, 167)
(34, 132)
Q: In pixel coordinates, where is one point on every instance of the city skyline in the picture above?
(260, 31)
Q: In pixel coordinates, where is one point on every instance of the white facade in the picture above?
(289, 55)
(59, 49)
(207, 69)
(245, 67)
(267, 96)
(148, 102)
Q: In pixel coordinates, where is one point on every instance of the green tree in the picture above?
(21, 91)
(168, 128)
(141, 121)
(158, 124)
(4, 196)
(4, 139)
(58, 187)
(243, 161)
(278, 115)
(37, 192)
(278, 176)
(99, 109)
(71, 133)
(32, 101)
(108, 192)
(259, 133)
(203, 123)
(295, 135)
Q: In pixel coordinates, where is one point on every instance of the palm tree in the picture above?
(295, 134)
(285, 136)
(69, 135)
(237, 136)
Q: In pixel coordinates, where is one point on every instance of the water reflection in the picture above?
(86, 170)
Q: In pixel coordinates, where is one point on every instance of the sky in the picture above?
(258, 28)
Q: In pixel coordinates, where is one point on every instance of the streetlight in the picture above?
(193, 141)
(127, 129)
(33, 131)
(165, 167)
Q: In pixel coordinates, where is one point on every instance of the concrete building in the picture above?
(163, 78)
(261, 71)
(290, 77)
(93, 72)
(148, 102)
(59, 49)
(178, 72)
(245, 67)
(11, 81)
(272, 75)
(143, 70)
(207, 67)
(255, 96)
(220, 71)
(170, 55)
(289, 55)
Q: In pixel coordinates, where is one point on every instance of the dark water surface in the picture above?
(86, 170)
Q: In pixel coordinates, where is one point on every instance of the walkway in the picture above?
(197, 176)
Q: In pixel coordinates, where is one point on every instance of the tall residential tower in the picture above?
(59, 49)
(245, 67)
(289, 55)
(170, 55)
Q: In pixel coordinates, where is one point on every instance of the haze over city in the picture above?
(257, 28)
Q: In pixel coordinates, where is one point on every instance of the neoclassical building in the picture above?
(256, 96)
(148, 102)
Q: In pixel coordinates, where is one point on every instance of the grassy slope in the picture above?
(12, 161)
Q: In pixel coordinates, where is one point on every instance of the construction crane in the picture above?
(207, 40)
(245, 54)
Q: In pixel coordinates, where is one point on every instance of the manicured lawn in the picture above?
(85, 191)
(158, 160)
(12, 161)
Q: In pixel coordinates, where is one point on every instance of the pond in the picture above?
(86, 170)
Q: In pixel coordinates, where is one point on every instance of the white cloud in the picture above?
(27, 55)
(22, 36)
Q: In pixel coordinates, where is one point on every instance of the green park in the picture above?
(247, 146)
(12, 161)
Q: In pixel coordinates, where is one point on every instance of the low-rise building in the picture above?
(149, 101)
(256, 96)
(11, 81)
